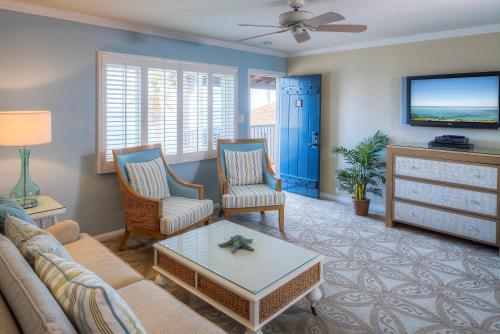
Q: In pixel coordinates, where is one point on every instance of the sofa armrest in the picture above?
(66, 231)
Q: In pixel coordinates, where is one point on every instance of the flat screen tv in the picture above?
(460, 100)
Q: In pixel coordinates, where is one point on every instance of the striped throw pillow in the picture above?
(244, 167)
(32, 240)
(92, 305)
(149, 179)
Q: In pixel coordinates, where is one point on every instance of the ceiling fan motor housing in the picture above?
(294, 17)
(296, 4)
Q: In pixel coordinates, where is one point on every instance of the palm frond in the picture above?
(367, 169)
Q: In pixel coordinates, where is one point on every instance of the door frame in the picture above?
(278, 75)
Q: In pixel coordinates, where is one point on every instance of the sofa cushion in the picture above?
(31, 240)
(149, 179)
(162, 313)
(94, 256)
(181, 212)
(244, 167)
(8, 323)
(8, 207)
(31, 303)
(91, 304)
(252, 196)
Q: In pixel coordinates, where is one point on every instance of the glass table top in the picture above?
(271, 260)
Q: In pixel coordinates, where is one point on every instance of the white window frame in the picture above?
(104, 58)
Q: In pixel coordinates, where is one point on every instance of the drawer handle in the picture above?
(413, 214)
(413, 167)
(414, 191)
(475, 202)
(473, 228)
(477, 176)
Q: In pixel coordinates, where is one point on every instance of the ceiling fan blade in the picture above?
(257, 25)
(342, 28)
(301, 36)
(271, 33)
(319, 20)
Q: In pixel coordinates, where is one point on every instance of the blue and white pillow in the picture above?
(9, 207)
(149, 179)
(32, 240)
(91, 304)
(244, 167)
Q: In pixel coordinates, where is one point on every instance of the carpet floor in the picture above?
(377, 279)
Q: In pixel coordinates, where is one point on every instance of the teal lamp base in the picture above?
(25, 190)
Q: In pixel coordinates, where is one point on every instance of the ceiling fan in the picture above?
(299, 22)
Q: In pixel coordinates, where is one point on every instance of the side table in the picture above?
(45, 213)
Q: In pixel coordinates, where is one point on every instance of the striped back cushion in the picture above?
(92, 305)
(149, 179)
(244, 167)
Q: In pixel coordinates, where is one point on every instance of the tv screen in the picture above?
(461, 100)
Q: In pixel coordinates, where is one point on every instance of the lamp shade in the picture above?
(23, 128)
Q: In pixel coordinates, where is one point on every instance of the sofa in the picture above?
(27, 306)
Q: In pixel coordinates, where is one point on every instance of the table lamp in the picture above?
(24, 128)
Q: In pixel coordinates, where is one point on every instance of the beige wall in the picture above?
(361, 90)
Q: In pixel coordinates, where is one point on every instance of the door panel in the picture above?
(299, 128)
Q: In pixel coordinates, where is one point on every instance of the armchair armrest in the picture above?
(65, 232)
(140, 212)
(271, 180)
(182, 188)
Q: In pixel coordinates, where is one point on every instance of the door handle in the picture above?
(314, 140)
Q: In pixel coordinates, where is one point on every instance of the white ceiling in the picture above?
(218, 19)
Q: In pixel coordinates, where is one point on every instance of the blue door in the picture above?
(299, 134)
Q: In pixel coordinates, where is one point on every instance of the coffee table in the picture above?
(251, 287)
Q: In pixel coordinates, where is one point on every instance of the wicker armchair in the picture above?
(236, 199)
(145, 216)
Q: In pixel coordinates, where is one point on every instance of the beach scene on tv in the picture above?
(464, 99)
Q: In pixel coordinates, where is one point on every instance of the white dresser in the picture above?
(452, 192)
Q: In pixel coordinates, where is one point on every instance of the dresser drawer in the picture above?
(462, 225)
(468, 200)
(459, 173)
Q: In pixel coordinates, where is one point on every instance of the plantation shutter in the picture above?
(122, 108)
(162, 109)
(185, 107)
(195, 112)
(223, 107)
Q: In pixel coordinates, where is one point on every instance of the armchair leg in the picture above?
(208, 221)
(282, 218)
(262, 212)
(226, 215)
(124, 239)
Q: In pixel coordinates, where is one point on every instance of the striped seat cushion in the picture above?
(149, 179)
(180, 212)
(91, 304)
(252, 196)
(244, 167)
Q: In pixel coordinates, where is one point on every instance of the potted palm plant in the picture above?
(366, 172)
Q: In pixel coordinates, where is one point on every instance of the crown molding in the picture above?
(28, 8)
(479, 30)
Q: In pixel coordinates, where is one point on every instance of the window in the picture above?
(186, 107)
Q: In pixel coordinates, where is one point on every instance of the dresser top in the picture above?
(476, 149)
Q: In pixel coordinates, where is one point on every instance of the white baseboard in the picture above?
(377, 209)
(109, 235)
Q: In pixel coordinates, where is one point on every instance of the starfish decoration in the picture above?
(237, 242)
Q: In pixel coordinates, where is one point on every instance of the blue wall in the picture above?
(51, 64)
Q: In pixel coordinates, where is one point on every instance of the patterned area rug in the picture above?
(377, 279)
